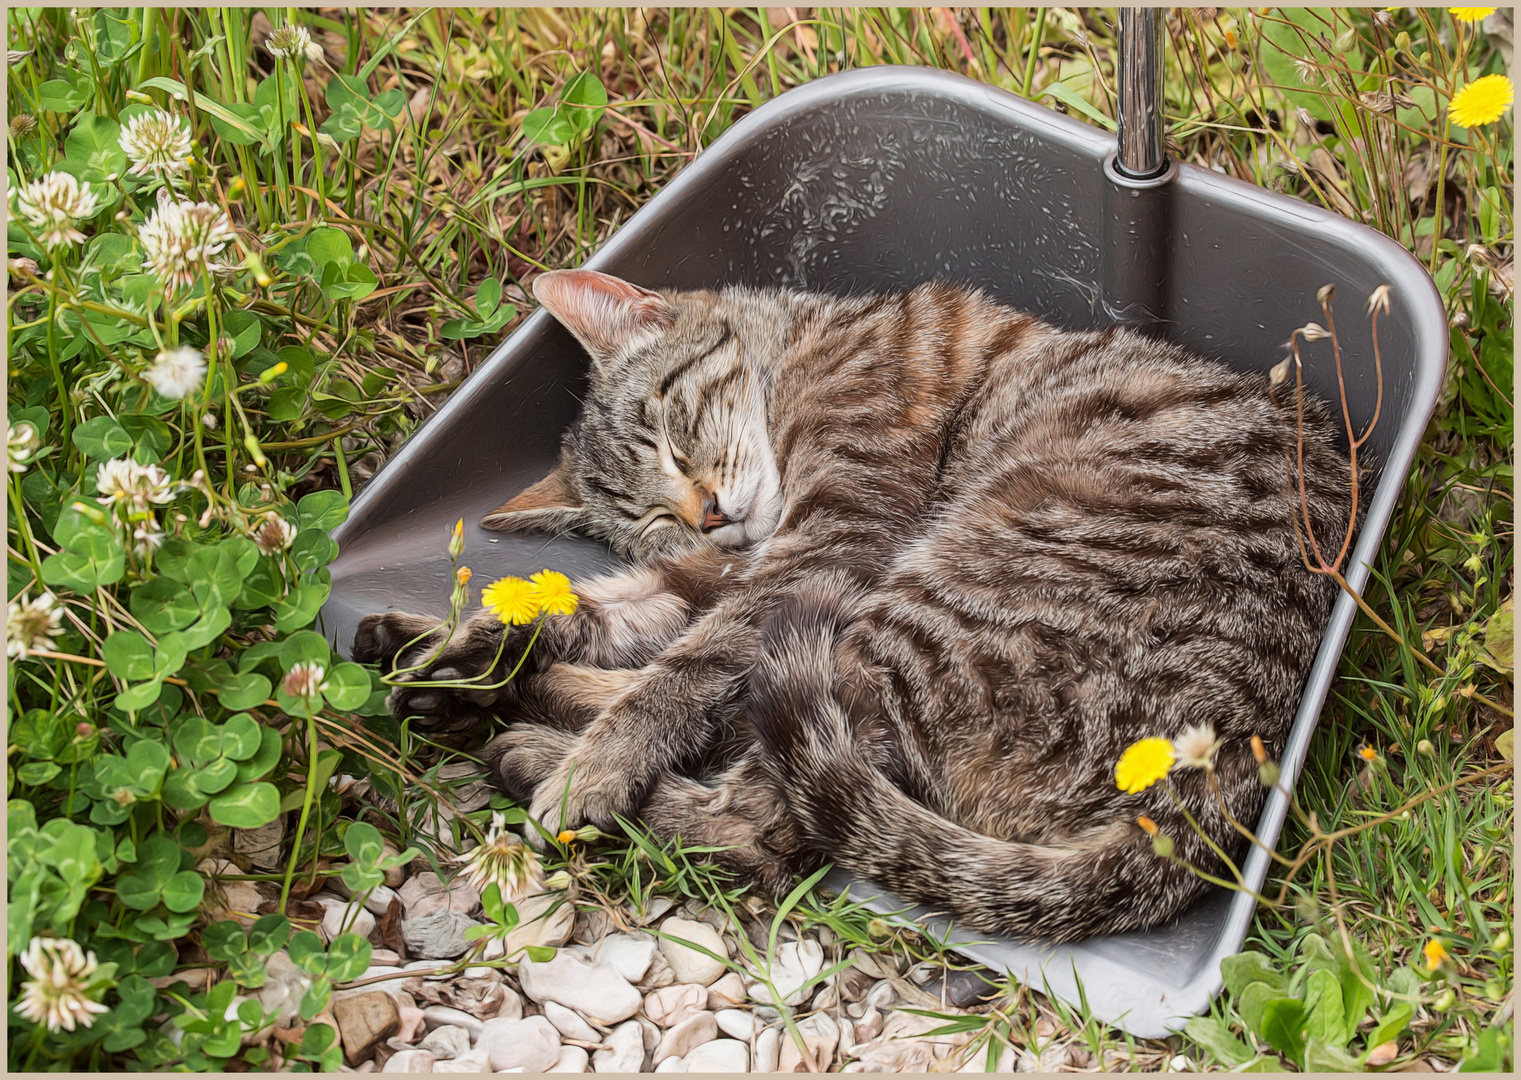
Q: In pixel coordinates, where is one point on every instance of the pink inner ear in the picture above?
(604, 312)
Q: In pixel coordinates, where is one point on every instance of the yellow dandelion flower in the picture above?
(1482, 101)
(1367, 753)
(1143, 764)
(1147, 825)
(1470, 14)
(1435, 953)
(514, 600)
(566, 836)
(552, 592)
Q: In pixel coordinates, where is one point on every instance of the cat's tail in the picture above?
(803, 703)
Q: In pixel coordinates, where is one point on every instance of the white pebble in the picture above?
(736, 1022)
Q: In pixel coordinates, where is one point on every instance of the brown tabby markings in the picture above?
(915, 570)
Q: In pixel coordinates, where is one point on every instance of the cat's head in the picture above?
(671, 450)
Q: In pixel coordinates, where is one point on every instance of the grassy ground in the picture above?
(391, 194)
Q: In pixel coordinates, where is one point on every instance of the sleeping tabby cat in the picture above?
(909, 573)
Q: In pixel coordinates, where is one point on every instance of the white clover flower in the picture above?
(157, 142)
(180, 237)
(291, 42)
(32, 624)
(147, 536)
(274, 534)
(58, 993)
(304, 680)
(505, 861)
(53, 206)
(124, 480)
(21, 442)
(177, 372)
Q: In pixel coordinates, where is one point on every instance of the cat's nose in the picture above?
(713, 517)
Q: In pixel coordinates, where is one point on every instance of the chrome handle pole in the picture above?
(1142, 153)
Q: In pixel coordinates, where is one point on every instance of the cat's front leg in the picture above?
(666, 714)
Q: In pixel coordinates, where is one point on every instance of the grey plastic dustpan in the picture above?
(883, 178)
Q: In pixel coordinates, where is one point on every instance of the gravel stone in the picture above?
(670, 1005)
(448, 1041)
(727, 993)
(473, 1062)
(569, 1023)
(532, 1045)
(629, 954)
(364, 1022)
(409, 1061)
(595, 991)
(719, 1056)
(737, 1023)
(689, 965)
(625, 1050)
(573, 1059)
(437, 1016)
(687, 1036)
(768, 1048)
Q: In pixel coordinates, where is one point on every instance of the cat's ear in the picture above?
(606, 314)
(552, 505)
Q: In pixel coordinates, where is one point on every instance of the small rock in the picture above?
(427, 894)
(261, 845)
(365, 1021)
(963, 989)
(396, 874)
(768, 1048)
(437, 1016)
(545, 921)
(284, 986)
(572, 1059)
(651, 1031)
(687, 1036)
(657, 907)
(821, 1035)
(569, 1023)
(625, 1050)
(409, 1061)
(384, 958)
(719, 1056)
(672, 1065)
(379, 901)
(439, 936)
(595, 991)
(670, 1005)
(826, 1000)
(736, 1022)
(852, 983)
(903, 1046)
(689, 965)
(882, 996)
(532, 1045)
(727, 993)
(448, 1041)
(412, 1024)
(473, 1062)
(659, 975)
(342, 918)
(870, 1025)
(629, 954)
(796, 963)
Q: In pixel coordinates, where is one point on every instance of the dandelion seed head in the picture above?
(1196, 747)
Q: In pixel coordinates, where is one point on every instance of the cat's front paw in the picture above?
(524, 756)
(427, 666)
(594, 785)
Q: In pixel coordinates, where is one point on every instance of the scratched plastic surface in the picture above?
(880, 179)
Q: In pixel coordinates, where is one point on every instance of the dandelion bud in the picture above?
(587, 833)
(255, 451)
(462, 575)
(1367, 753)
(1147, 825)
(1280, 373)
(236, 188)
(878, 928)
(1230, 39)
(1425, 749)
(1258, 750)
(457, 539)
(1313, 332)
(1445, 1000)
(1501, 942)
(1402, 41)
(559, 881)
(1326, 293)
(1267, 772)
(1439, 704)
(1162, 845)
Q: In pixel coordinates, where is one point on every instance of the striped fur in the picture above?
(912, 571)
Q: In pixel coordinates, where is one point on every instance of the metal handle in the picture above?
(1142, 154)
